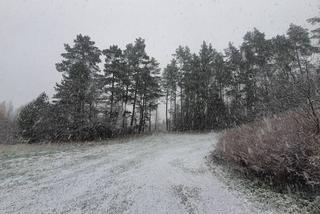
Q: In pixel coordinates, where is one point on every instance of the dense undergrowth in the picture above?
(282, 152)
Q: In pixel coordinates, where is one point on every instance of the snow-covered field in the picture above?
(161, 173)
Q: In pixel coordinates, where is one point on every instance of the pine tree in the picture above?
(301, 45)
(149, 93)
(78, 91)
(136, 59)
(316, 31)
(33, 120)
(115, 79)
(183, 58)
(255, 50)
(233, 64)
(170, 79)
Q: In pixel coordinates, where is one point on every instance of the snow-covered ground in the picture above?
(161, 173)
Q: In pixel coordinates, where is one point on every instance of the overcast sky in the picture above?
(33, 32)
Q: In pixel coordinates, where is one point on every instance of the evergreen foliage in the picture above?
(261, 78)
(203, 91)
(90, 104)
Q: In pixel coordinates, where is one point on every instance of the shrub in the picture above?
(32, 120)
(283, 151)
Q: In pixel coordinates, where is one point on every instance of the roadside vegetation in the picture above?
(115, 92)
(281, 149)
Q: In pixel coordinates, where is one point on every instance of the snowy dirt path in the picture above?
(163, 173)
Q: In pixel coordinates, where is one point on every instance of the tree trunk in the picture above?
(134, 106)
(175, 111)
(125, 108)
(156, 119)
(150, 120)
(167, 125)
(181, 108)
(112, 97)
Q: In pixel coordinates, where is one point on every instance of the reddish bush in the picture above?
(284, 151)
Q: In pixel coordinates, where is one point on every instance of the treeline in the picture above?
(93, 102)
(204, 91)
(263, 77)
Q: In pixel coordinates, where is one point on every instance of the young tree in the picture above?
(32, 120)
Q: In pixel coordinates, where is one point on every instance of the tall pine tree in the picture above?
(78, 91)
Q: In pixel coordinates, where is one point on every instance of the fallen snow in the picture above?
(162, 173)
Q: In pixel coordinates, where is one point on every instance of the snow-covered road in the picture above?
(162, 173)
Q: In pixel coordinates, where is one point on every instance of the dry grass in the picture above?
(283, 151)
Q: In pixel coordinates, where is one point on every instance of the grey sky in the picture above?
(33, 31)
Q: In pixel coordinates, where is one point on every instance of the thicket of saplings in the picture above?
(283, 149)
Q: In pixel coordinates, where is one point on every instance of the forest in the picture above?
(93, 103)
(111, 92)
(261, 78)
(131, 114)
